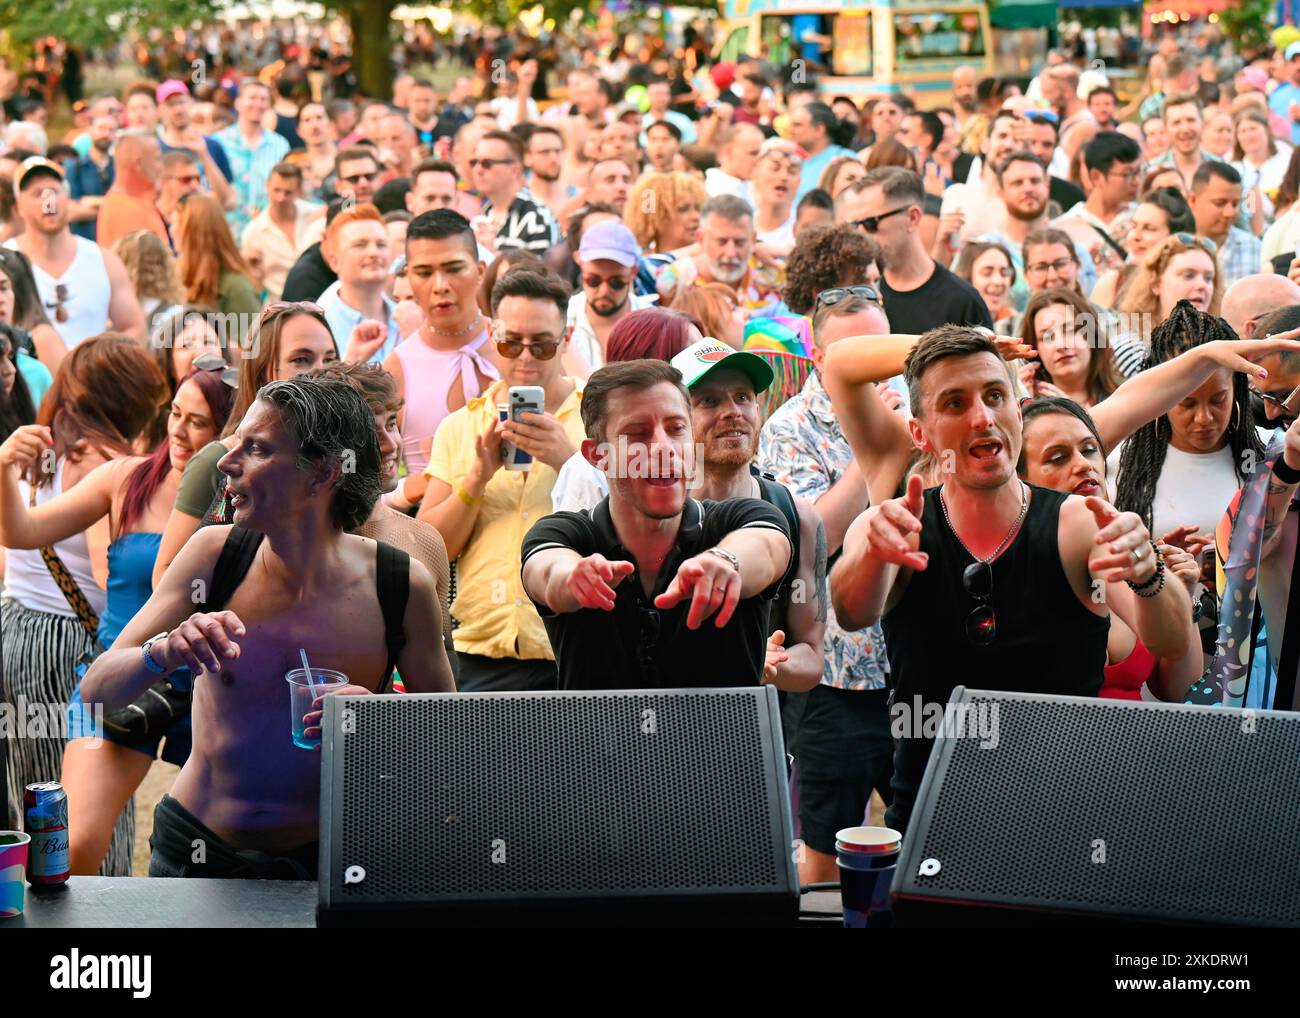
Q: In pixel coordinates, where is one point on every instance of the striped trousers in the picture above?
(39, 652)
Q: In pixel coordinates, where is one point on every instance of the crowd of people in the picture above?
(810, 389)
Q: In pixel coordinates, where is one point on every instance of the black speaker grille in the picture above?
(1198, 819)
(474, 796)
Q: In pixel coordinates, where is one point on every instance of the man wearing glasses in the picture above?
(483, 511)
(919, 293)
(986, 581)
(252, 151)
(775, 181)
(1113, 163)
(608, 258)
(515, 219)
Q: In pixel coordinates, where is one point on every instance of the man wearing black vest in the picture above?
(653, 589)
(985, 581)
(287, 575)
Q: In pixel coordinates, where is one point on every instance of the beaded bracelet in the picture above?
(1157, 580)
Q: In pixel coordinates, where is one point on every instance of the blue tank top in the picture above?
(130, 581)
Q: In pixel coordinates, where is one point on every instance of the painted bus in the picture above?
(867, 47)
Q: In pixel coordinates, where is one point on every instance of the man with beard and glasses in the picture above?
(653, 589)
(544, 160)
(608, 258)
(979, 577)
(725, 256)
(724, 386)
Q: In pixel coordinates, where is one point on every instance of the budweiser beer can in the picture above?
(45, 816)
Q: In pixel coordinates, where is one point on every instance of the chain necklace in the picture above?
(472, 326)
(1024, 508)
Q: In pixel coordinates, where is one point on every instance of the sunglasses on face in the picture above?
(215, 362)
(616, 283)
(540, 351)
(1042, 268)
(1041, 117)
(487, 164)
(60, 299)
(981, 623)
(1191, 240)
(357, 178)
(872, 223)
(833, 296)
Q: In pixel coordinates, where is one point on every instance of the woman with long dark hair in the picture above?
(20, 305)
(1183, 468)
(1062, 327)
(135, 495)
(105, 395)
(16, 405)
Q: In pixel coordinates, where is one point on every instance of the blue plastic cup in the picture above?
(867, 857)
(302, 695)
(14, 846)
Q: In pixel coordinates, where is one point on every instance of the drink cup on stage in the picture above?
(303, 692)
(867, 857)
(13, 868)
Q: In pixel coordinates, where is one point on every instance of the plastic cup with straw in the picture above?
(305, 685)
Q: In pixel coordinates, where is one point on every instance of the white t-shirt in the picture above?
(782, 236)
(578, 486)
(1193, 488)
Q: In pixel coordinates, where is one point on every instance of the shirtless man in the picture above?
(247, 792)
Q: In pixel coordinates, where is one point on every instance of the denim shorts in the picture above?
(176, 750)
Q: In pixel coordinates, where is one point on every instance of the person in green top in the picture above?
(211, 268)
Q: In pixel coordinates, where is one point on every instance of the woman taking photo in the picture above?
(1158, 215)
(1181, 267)
(212, 270)
(105, 395)
(1062, 328)
(289, 339)
(987, 266)
(135, 495)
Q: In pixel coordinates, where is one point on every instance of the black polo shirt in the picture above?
(639, 646)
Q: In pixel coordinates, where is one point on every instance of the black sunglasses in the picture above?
(981, 623)
(616, 283)
(649, 639)
(487, 164)
(214, 362)
(357, 178)
(872, 223)
(831, 297)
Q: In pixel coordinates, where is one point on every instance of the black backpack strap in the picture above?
(779, 495)
(393, 585)
(232, 566)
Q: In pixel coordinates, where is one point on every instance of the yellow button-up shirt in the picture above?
(496, 617)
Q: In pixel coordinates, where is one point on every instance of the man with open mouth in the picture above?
(983, 574)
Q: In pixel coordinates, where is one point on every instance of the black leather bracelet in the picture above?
(1284, 473)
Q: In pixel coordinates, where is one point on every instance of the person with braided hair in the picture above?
(1181, 470)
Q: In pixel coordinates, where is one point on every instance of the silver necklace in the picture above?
(1024, 507)
(462, 332)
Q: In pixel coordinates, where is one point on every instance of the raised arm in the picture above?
(1156, 391)
(71, 512)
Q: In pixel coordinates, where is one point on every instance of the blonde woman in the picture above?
(151, 267)
(663, 212)
(1182, 267)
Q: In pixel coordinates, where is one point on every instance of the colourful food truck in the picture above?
(866, 47)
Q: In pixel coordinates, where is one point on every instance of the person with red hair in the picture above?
(356, 248)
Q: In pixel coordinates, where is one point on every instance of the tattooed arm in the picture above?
(1280, 491)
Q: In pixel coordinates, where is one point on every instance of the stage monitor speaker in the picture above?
(610, 808)
(1059, 810)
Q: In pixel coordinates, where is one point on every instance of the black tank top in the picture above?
(1047, 641)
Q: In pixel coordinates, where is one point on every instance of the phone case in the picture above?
(522, 399)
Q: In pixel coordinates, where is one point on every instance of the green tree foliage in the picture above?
(1246, 23)
(97, 22)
